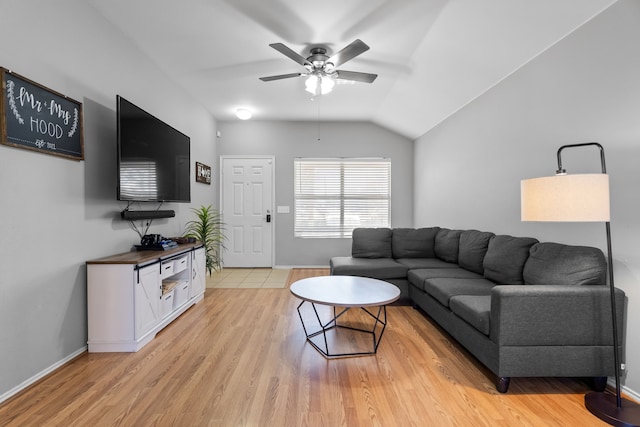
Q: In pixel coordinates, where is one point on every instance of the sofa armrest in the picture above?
(527, 315)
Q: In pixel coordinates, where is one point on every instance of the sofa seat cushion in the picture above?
(418, 276)
(557, 264)
(371, 243)
(475, 310)
(413, 263)
(472, 249)
(413, 243)
(443, 289)
(378, 268)
(505, 258)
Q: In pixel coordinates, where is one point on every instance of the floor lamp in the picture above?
(583, 198)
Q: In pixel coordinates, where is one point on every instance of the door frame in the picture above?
(273, 194)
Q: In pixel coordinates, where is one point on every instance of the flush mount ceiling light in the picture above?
(243, 114)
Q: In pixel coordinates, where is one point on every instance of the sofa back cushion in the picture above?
(413, 243)
(505, 259)
(447, 244)
(557, 264)
(371, 243)
(472, 249)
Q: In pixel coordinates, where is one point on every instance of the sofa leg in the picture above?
(598, 383)
(502, 384)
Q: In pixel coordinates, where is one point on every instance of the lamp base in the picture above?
(605, 407)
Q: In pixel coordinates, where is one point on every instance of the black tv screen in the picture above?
(153, 157)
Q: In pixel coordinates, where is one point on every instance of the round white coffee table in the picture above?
(346, 292)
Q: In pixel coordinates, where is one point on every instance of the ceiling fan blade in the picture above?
(290, 53)
(351, 51)
(356, 76)
(279, 77)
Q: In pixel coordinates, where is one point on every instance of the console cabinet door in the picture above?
(147, 299)
(199, 268)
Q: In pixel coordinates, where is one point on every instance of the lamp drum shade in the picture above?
(574, 198)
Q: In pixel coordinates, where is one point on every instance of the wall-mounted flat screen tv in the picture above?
(153, 157)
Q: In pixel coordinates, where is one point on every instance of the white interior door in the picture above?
(247, 209)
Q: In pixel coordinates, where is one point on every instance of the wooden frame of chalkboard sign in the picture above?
(37, 118)
(203, 173)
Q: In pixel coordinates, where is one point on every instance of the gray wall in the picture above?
(287, 140)
(58, 213)
(585, 88)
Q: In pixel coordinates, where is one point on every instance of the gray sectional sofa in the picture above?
(523, 308)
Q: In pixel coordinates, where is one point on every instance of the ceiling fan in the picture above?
(322, 71)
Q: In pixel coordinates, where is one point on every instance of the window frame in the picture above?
(352, 196)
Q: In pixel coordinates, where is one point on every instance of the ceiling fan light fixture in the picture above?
(317, 84)
(311, 84)
(243, 114)
(327, 84)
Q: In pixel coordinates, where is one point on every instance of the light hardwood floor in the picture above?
(240, 358)
(248, 278)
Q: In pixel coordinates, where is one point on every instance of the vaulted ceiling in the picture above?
(432, 57)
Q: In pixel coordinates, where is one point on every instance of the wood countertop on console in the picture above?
(144, 257)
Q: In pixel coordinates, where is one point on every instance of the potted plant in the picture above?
(208, 228)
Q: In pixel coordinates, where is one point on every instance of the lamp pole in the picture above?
(612, 409)
(614, 320)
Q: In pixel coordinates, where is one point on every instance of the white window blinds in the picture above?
(334, 196)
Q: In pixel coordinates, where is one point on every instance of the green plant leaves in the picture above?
(208, 228)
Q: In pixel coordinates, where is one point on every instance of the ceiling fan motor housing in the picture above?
(318, 57)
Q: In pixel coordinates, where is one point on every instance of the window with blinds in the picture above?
(334, 196)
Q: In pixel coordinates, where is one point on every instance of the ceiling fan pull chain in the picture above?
(318, 120)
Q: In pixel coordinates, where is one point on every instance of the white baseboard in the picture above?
(611, 382)
(41, 374)
(634, 395)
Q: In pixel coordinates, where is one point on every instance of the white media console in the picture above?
(133, 295)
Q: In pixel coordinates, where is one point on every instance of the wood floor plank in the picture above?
(240, 358)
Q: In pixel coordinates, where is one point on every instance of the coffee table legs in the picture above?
(379, 325)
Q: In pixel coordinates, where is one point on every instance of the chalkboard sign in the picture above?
(40, 119)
